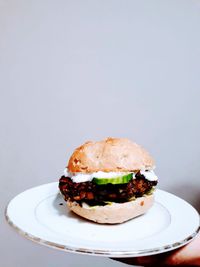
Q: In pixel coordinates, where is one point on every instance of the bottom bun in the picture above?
(114, 213)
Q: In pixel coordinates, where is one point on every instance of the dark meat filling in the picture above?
(94, 194)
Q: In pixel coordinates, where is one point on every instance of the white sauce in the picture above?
(149, 175)
(66, 173)
(82, 177)
(78, 177)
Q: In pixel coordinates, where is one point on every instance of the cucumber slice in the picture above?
(116, 180)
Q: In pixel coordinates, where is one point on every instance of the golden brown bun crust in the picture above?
(115, 213)
(110, 155)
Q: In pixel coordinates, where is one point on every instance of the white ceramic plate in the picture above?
(39, 215)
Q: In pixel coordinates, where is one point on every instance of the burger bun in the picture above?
(115, 212)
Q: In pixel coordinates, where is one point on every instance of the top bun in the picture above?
(110, 155)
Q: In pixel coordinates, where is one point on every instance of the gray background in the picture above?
(72, 71)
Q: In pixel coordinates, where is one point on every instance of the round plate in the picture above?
(41, 215)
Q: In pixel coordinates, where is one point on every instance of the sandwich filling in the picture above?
(101, 188)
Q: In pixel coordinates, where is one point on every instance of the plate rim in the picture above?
(99, 252)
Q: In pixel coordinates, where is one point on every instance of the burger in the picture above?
(109, 181)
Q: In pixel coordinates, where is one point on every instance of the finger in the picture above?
(163, 259)
(129, 261)
(188, 255)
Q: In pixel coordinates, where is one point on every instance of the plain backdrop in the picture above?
(72, 71)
